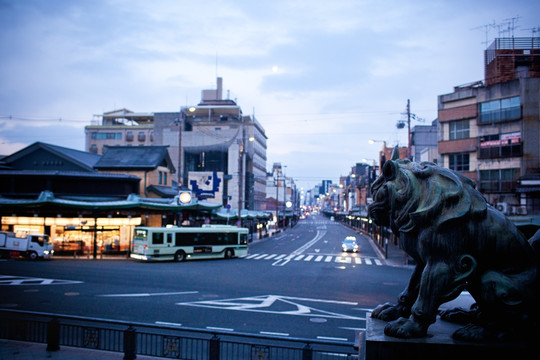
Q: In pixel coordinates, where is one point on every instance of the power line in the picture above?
(42, 119)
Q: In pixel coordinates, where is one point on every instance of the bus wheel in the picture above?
(229, 254)
(179, 256)
(33, 255)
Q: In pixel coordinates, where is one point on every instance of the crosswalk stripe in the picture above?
(357, 260)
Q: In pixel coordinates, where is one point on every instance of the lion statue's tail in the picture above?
(535, 243)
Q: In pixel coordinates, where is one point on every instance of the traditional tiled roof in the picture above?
(84, 160)
(135, 157)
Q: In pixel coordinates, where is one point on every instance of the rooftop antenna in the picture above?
(486, 30)
(534, 30)
(510, 24)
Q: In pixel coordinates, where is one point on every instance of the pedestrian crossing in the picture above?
(353, 259)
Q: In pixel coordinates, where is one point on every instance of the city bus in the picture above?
(183, 243)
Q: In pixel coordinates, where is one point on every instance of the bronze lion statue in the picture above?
(459, 242)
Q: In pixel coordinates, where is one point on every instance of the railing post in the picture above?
(130, 342)
(214, 348)
(53, 335)
(307, 352)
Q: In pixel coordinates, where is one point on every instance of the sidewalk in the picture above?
(20, 350)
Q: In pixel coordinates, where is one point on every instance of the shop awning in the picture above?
(47, 198)
(245, 214)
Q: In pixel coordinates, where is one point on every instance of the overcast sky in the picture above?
(322, 77)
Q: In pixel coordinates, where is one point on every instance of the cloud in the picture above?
(346, 68)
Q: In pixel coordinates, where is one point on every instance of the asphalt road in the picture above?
(295, 284)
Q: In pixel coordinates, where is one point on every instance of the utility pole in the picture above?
(409, 129)
(180, 123)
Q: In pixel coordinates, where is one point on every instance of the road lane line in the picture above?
(319, 258)
(378, 262)
(149, 294)
(328, 259)
(368, 261)
(308, 258)
(299, 257)
(270, 256)
(261, 256)
(331, 338)
(168, 323)
(280, 256)
(252, 256)
(358, 260)
(273, 333)
(219, 328)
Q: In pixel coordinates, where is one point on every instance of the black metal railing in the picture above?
(133, 338)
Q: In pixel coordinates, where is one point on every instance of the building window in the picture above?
(459, 162)
(500, 110)
(162, 178)
(129, 136)
(500, 146)
(106, 136)
(142, 136)
(498, 180)
(459, 129)
(93, 148)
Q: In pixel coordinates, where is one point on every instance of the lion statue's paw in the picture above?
(389, 312)
(472, 332)
(405, 329)
(459, 315)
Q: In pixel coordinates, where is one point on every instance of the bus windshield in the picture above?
(140, 235)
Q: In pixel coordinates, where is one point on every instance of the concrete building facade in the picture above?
(219, 153)
(489, 129)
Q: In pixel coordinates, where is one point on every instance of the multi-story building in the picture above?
(282, 195)
(219, 152)
(489, 130)
(424, 143)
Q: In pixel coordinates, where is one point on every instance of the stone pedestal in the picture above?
(438, 345)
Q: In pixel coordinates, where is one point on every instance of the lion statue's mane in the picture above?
(459, 242)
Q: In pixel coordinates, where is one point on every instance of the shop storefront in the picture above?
(77, 236)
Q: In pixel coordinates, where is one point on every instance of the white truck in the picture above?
(33, 246)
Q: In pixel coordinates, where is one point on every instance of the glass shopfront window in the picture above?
(75, 236)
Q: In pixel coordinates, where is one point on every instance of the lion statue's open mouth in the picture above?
(459, 242)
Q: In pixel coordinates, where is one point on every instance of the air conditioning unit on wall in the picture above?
(503, 207)
(521, 210)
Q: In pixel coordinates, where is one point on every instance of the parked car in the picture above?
(349, 244)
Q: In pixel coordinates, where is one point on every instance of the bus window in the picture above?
(243, 239)
(169, 238)
(231, 239)
(157, 238)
